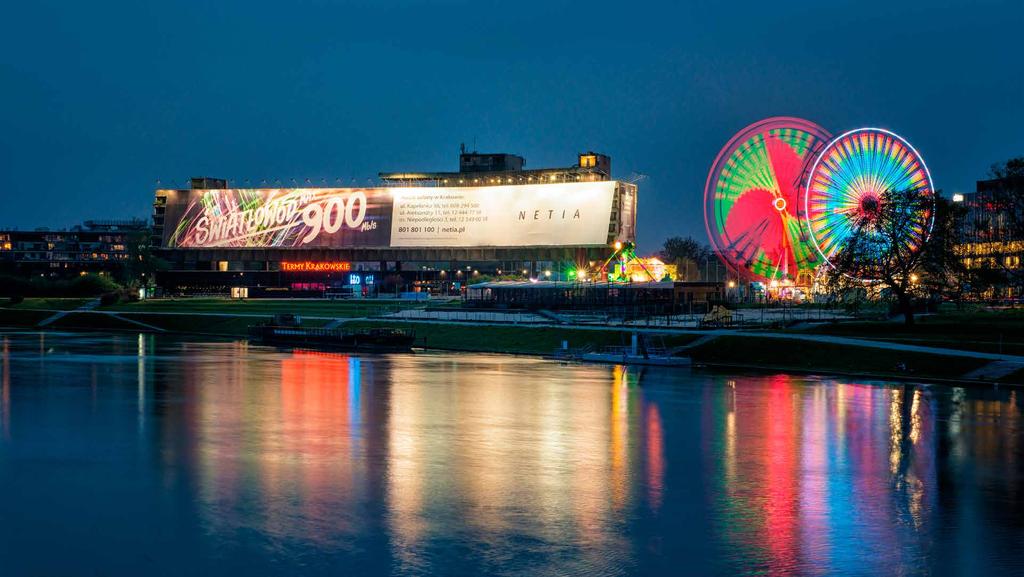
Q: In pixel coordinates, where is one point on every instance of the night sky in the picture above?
(103, 99)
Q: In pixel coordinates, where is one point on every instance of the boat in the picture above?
(285, 331)
(626, 356)
(642, 350)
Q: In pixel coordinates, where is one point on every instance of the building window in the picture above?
(222, 265)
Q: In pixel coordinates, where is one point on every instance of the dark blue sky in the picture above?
(102, 99)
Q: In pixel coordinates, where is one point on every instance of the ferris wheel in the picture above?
(851, 180)
(753, 200)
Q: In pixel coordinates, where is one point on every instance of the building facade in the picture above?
(95, 246)
(424, 230)
(993, 237)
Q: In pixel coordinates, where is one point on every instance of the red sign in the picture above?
(312, 266)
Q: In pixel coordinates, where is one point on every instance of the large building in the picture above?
(424, 230)
(97, 246)
(993, 241)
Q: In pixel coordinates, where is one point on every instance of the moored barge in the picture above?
(374, 340)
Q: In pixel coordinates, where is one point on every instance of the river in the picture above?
(155, 455)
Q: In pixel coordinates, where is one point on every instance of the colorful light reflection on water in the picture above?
(143, 455)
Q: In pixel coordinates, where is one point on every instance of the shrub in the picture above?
(91, 285)
(11, 286)
(107, 299)
(88, 285)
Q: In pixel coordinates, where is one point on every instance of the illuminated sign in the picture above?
(285, 218)
(562, 214)
(354, 279)
(313, 266)
(520, 215)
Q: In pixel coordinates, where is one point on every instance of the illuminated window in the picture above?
(222, 265)
(588, 161)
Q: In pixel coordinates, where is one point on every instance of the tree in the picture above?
(1012, 168)
(142, 264)
(884, 246)
(946, 273)
(686, 253)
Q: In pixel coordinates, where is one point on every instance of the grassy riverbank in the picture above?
(519, 339)
(818, 357)
(325, 308)
(43, 303)
(1000, 331)
(514, 339)
(221, 317)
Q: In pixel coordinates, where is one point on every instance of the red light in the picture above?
(313, 266)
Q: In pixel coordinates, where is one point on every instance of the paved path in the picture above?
(88, 306)
(131, 321)
(994, 370)
(87, 309)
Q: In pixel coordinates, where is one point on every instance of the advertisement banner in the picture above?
(564, 214)
(568, 214)
(278, 218)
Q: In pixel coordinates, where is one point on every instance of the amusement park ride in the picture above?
(784, 196)
(625, 266)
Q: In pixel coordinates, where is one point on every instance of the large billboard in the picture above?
(566, 214)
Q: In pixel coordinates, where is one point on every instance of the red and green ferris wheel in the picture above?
(754, 200)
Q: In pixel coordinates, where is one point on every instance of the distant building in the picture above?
(992, 242)
(94, 246)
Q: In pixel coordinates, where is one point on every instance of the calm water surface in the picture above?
(151, 455)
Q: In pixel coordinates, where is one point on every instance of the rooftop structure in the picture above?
(491, 169)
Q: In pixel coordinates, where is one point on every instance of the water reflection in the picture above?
(230, 458)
